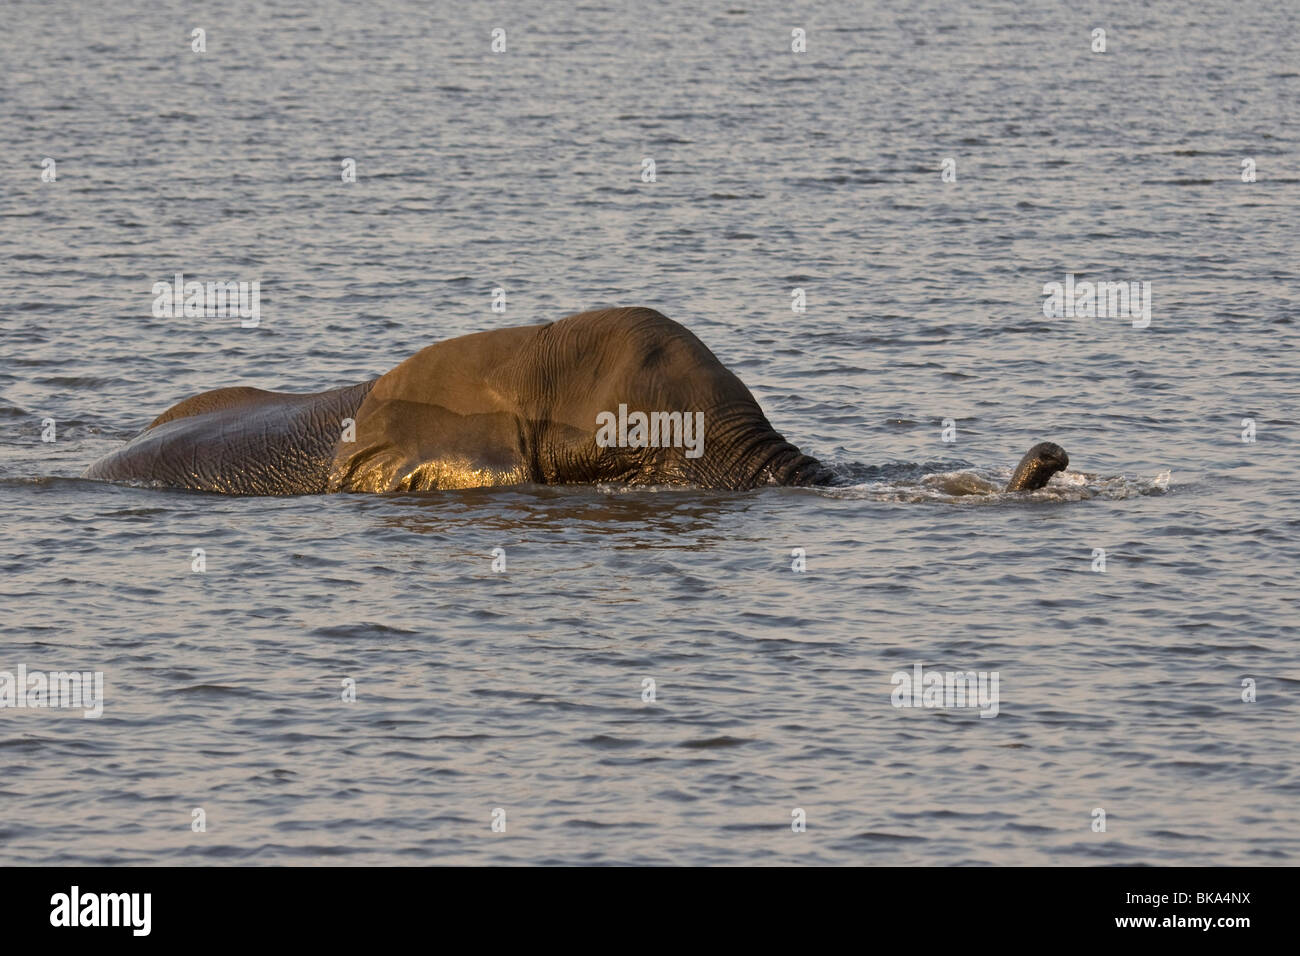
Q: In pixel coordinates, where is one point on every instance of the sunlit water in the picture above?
(523, 689)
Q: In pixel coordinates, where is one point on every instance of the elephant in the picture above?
(624, 396)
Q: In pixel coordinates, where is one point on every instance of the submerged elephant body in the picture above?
(617, 395)
(504, 407)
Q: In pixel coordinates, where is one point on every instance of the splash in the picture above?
(969, 485)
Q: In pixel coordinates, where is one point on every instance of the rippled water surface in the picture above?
(522, 690)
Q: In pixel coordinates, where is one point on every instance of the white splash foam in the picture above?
(979, 487)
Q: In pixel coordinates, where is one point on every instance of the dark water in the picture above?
(522, 690)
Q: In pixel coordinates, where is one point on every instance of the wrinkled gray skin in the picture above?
(504, 407)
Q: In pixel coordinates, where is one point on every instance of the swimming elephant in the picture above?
(626, 396)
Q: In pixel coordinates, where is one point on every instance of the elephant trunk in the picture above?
(1039, 464)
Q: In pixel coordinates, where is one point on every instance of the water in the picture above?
(522, 690)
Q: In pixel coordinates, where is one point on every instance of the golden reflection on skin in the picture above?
(439, 475)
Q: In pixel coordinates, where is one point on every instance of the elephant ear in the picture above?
(404, 445)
